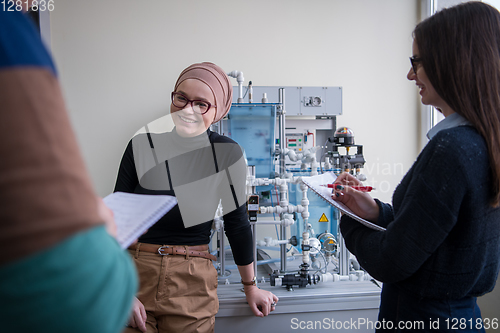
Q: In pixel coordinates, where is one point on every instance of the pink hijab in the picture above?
(214, 77)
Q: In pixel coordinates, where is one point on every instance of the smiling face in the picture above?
(427, 91)
(187, 122)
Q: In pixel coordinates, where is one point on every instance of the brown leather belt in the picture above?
(188, 251)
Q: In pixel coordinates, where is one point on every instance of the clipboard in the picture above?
(135, 213)
(325, 193)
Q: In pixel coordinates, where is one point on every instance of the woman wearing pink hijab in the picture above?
(178, 291)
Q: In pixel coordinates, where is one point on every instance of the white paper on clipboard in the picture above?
(315, 182)
(135, 213)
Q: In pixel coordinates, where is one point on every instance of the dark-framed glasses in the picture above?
(199, 106)
(414, 63)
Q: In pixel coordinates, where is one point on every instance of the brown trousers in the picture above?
(178, 293)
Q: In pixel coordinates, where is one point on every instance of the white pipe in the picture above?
(258, 182)
(269, 241)
(287, 220)
(287, 209)
(275, 181)
(305, 241)
(314, 166)
(356, 276)
(283, 194)
(304, 202)
(250, 180)
(239, 78)
(306, 157)
(218, 221)
(270, 209)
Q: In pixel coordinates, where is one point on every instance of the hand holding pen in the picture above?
(348, 190)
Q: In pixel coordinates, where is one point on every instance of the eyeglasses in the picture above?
(199, 106)
(414, 62)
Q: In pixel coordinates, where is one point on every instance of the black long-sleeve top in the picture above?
(200, 172)
(443, 237)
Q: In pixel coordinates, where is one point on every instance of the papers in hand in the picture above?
(315, 182)
(135, 213)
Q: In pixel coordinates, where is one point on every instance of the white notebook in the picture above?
(135, 213)
(325, 193)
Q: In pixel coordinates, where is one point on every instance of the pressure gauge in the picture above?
(328, 242)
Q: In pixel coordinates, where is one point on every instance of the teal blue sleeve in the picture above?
(83, 284)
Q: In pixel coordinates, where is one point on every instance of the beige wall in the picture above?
(118, 61)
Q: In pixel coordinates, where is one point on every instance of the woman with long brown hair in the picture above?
(441, 247)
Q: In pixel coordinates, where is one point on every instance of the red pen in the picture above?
(356, 187)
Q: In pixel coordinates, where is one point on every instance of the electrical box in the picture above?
(294, 141)
(320, 102)
(252, 207)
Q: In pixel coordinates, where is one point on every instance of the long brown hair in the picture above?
(460, 51)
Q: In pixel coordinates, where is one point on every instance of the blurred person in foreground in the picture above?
(61, 269)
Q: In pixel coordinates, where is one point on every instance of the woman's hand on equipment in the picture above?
(138, 316)
(361, 203)
(262, 302)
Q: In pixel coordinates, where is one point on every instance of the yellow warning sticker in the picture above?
(323, 218)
